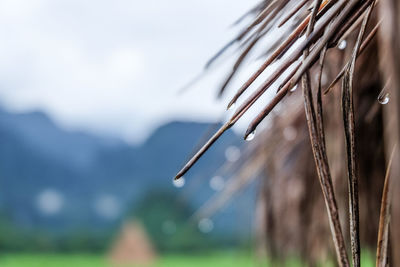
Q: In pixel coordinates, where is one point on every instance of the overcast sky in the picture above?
(113, 66)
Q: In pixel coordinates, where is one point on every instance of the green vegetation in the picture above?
(49, 260)
(160, 207)
(221, 259)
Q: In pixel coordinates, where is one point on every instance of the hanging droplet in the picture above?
(290, 133)
(206, 225)
(342, 45)
(251, 136)
(217, 183)
(383, 98)
(293, 88)
(168, 227)
(232, 153)
(324, 79)
(231, 106)
(179, 182)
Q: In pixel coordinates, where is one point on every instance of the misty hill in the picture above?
(55, 179)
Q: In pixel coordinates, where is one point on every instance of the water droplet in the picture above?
(108, 206)
(251, 136)
(293, 88)
(206, 225)
(342, 45)
(179, 183)
(217, 183)
(232, 153)
(383, 98)
(50, 201)
(324, 79)
(168, 227)
(290, 133)
(232, 106)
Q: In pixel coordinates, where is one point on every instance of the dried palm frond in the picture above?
(327, 24)
(333, 16)
(384, 220)
(349, 128)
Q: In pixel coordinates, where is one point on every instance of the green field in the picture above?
(77, 260)
(222, 259)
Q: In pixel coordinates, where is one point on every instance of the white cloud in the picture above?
(113, 66)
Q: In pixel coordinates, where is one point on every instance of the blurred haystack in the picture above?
(132, 247)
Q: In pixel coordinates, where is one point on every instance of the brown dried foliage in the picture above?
(317, 33)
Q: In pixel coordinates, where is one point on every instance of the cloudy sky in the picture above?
(113, 66)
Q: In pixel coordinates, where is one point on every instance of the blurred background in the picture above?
(94, 126)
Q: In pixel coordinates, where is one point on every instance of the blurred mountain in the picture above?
(60, 180)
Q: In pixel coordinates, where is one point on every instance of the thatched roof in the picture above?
(310, 30)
